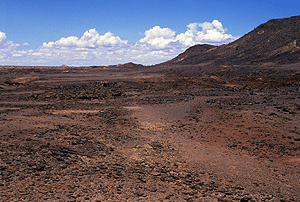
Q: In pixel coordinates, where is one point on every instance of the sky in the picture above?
(108, 32)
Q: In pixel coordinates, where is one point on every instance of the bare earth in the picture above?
(149, 134)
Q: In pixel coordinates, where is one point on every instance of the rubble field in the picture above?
(163, 133)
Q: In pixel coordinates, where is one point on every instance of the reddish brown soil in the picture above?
(94, 134)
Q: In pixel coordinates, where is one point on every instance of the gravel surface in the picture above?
(94, 134)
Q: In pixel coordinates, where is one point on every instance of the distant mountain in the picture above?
(275, 41)
(129, 65)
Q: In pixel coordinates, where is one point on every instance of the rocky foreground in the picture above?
(95, 134)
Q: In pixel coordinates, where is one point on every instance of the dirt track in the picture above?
(144, 135)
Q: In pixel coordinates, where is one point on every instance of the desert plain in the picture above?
(159, 133)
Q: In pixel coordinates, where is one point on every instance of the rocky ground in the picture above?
(149, 134)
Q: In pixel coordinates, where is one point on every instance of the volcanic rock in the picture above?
(275, 41)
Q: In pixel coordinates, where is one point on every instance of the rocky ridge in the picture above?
(276, 41)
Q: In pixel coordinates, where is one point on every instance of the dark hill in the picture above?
(191, 55)
(129, 65)
(275, 41)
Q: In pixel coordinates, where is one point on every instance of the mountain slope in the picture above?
(191, 55)
(276, 41)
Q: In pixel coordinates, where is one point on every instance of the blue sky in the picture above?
(98, 32)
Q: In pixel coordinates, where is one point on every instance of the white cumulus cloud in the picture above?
(90, 39)
(157, 45)
(211, 33)
(6, 44)
(197, 33)
(158, 37)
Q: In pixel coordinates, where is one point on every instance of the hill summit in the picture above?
(276, 41)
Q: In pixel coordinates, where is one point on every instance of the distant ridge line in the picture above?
(276, 41)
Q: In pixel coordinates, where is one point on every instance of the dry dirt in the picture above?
(95, 134)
